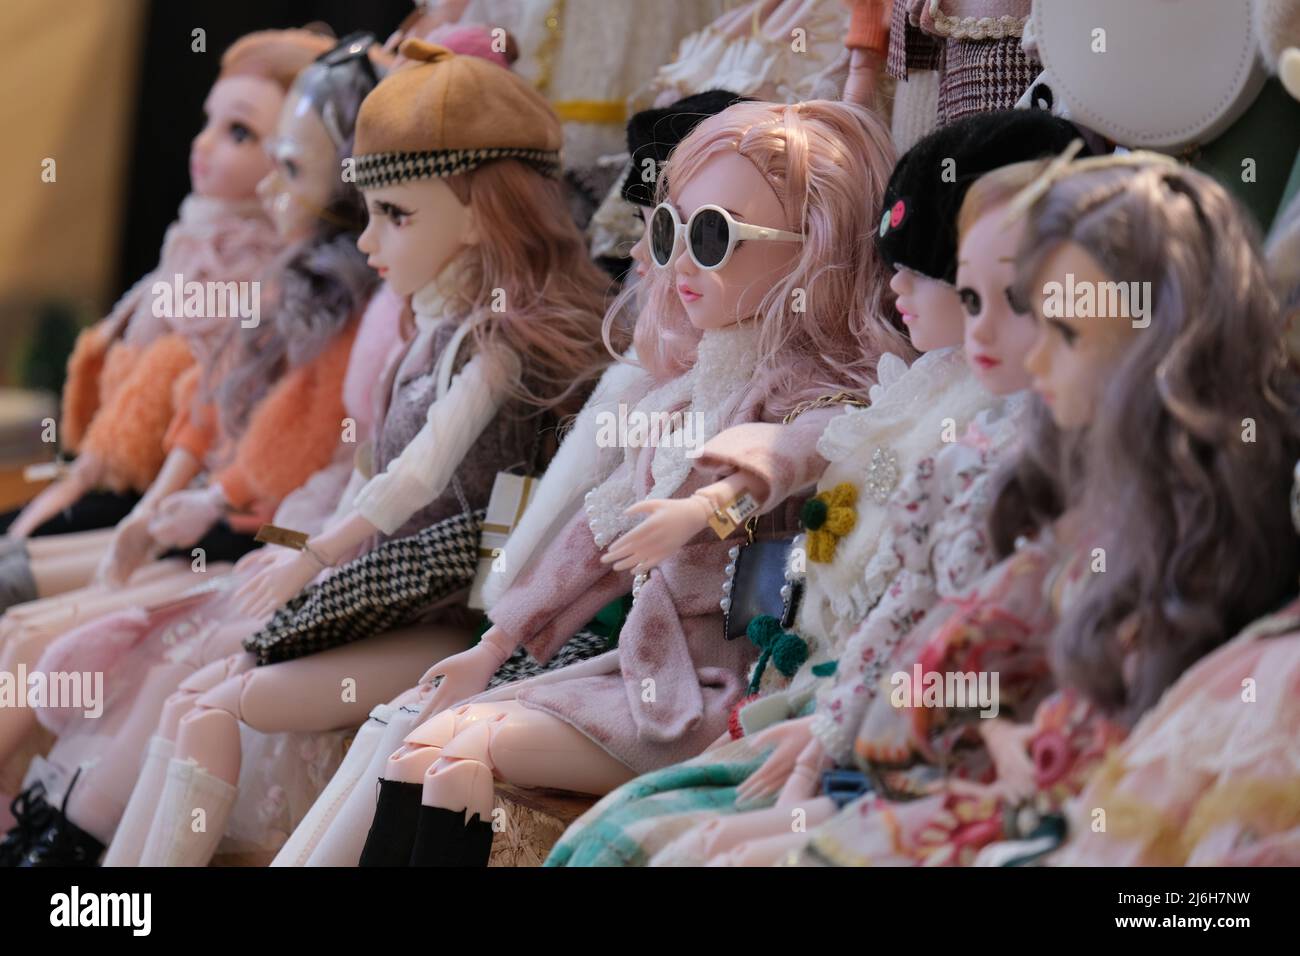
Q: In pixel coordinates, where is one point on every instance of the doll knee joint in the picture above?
(473, 742)
(228, 696)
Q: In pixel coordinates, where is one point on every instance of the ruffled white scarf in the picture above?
(724, 365)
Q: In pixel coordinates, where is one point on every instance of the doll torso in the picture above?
(872, 449)
(512, 440)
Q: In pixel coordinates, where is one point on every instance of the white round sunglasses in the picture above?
(711, 235)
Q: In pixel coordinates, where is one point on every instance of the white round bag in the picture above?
(1154, 74)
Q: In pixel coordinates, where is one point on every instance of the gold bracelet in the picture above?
(727, 519)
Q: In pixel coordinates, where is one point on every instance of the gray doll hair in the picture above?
(1183, 476)
(321, 283)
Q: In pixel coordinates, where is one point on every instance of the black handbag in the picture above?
(759, 578)
(759, 586)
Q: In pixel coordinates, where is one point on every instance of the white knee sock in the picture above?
(128, 841)
(307, 835)
(180, 834)
(342, 843)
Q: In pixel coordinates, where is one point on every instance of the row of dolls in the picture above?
(957, 524)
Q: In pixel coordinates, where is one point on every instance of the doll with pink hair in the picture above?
(902, 503)
(123, 385)
(506, 340)
(785, 192)
(273, 419)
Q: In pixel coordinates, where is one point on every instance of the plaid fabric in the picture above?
(632, 823)
(910, 48)
(385, 588)
(983, 75)
(374, 170)
(521, 665)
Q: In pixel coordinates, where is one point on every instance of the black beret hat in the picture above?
(653, 134)
(918, 220)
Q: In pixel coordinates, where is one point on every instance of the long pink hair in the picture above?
(828, 163)
(537, 265)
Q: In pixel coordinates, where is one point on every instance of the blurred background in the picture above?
(112, 91)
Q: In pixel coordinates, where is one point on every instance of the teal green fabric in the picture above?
(606, 835)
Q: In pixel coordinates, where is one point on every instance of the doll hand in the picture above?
(132, 546)
(1007, 744)
(276, 583)
(806, 776)
(464, 674)
(669, 524)
(790, 738)
(259, 559)
(186, 516)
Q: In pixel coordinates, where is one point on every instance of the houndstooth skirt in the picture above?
(386, 588)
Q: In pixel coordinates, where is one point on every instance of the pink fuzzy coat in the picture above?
(677, 677)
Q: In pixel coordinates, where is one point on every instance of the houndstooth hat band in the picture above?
(375, 170)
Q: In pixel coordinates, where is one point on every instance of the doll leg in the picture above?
(61, 573)
(334, 831)
(764, 852)
(720, 836)
(465, 750)
(55, 545)
(98, 803)
(326, 691)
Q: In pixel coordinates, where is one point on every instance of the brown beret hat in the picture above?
(444, 114)
(276, 55)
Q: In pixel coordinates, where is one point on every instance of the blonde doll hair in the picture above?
(828, 163)
(996, 188)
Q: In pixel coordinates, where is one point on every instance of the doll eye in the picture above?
(396, 214)
(1013, 300)
(970, 300)
(242, 133)
(1068, 334)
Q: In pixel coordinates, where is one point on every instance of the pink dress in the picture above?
(677, 676)
(1211, 775)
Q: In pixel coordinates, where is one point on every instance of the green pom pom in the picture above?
(763, 630)
(825, 668)
(813, 513)
(790, 652)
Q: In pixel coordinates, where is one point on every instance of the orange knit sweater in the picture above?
(292, 433)
(868, 26)
(118, 402)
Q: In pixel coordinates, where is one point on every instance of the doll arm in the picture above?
(868, 43)
(561, 589)
(771, 462)
(421, 472)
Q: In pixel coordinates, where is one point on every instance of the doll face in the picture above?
(415, 230)
(930, 309)
(640, 251)
(227, 157)
(1072, 357)
(999, 334)
(303, 171)
(718, 298)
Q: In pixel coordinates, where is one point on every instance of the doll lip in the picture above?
(687, 293)
(381, 270)
(985, 361)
